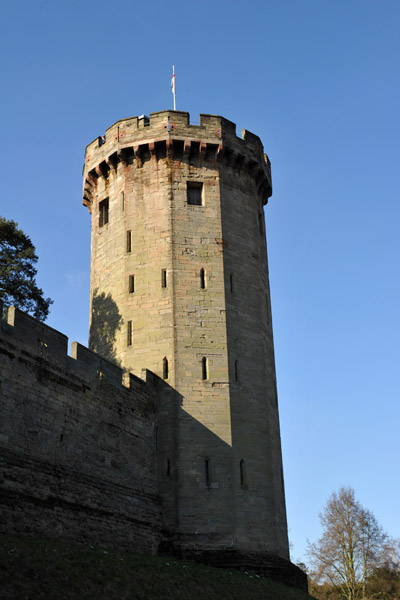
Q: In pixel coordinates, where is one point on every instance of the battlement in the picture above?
(160, 125)
(77, 447)
(170, 133)
(36, 340)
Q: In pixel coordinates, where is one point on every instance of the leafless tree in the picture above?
(350, 546)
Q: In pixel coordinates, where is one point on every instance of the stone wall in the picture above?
(222, 477)
(190, 457)
(77, 448)
(84, 458)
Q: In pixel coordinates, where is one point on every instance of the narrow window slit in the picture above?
(164, 278)
(204, 368)
(231, 282)
(236, 370)
(207, 470)
(129, 241)
(131, 284)
(165, 368)
(129, 333)
(202, 279)
(242, 472)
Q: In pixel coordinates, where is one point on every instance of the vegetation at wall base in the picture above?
(32, 569)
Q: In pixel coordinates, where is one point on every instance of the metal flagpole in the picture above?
(173, 85)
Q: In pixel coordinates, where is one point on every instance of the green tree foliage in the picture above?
(323, 591)
(384, 584)
(384, 581)
(350, 548)
(17, 272)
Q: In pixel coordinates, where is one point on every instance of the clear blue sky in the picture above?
(318, 81)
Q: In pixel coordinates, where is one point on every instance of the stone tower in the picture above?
(179, 286)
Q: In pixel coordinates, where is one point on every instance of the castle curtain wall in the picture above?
(77, 448)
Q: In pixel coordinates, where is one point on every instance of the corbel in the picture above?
(137, 155)
(152, 150)
(121, 154)
(169, 146)
(220, 152)
(186, 147)
(202, 150)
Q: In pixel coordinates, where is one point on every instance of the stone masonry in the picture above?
(164, 436)
(187, 284)
(77, 448)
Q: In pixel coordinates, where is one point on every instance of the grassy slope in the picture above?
(41, 569)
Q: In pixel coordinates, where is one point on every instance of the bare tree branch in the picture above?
(350, 547)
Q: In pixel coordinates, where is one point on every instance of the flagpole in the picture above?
(173, 85)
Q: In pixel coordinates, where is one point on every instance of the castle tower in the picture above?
(179, 286)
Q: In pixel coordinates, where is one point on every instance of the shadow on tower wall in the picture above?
(200, 518)
(87, 458)
(106, 320)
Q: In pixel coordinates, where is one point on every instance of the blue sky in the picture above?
(318, 81)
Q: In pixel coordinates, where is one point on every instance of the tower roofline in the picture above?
(209, 124)
(215, 139)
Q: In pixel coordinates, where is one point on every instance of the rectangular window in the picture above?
(129, 241)
(131, 284)
(103, 212)
(194, 193)
(129, 334)
(163, 278)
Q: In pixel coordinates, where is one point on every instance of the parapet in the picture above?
(39, 342)
(36, 337)
(170, 133)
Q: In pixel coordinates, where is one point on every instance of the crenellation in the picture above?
(171, 132)
(167, 426)
(75, 452)
(40, 339)
(96, 366)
